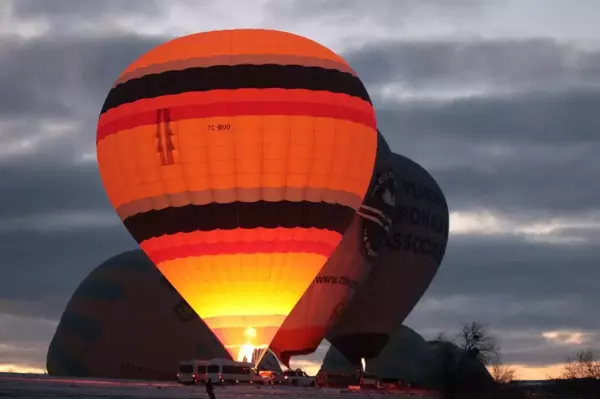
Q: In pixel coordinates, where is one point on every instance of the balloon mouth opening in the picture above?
(249, 352)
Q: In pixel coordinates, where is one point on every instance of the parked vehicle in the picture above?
(192, 371)
(369, 380)
(298, 377)
(334, 380)
(225, 371)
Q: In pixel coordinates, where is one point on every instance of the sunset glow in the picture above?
(544, 372)
(18, 368)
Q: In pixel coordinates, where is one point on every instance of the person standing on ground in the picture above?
(209, 389)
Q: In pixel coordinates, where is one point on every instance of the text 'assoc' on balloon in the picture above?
(418, 245)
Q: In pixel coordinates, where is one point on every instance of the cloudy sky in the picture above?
(498, 99)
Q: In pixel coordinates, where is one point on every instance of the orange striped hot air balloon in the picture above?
(237, 159)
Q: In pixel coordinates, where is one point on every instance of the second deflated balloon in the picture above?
(404, 269)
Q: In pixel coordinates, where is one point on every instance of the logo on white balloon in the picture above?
(377, 213)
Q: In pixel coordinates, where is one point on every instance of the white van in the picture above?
(298, 377)
(192, 371)
(224, 371)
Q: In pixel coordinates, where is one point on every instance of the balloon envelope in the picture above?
(318, 309)
(237, 159)
(125, 320)
(404, 269)
(406, 356)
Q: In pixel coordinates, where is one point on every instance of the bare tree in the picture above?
(442, 337)
(477, 343)
(502, 373)
(583, 365)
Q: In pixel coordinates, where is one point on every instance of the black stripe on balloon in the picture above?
(225, 77)
(248, 215)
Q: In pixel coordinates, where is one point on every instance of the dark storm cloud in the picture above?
(540, 132)
(46, 78)
(506, 311)
(533, 64)
(521, 335)
(527, 143)
(67, 77)
(60, 80)
(514, 287)
(550, 187)
(77, 9)
(530, 347)
(41, 265)
(386, 11)
(47, 309)
(544, 117)
(25, 334)
(47, 185)
(532, 270)
(521, 153)
(537, 351)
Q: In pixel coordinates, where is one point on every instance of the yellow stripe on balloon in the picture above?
(277, 281)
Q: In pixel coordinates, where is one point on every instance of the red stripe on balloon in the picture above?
(239, 108)
(242, 247)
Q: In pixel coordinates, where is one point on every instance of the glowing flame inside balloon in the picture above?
(250, 333)
(364, 364)
(246, 352)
